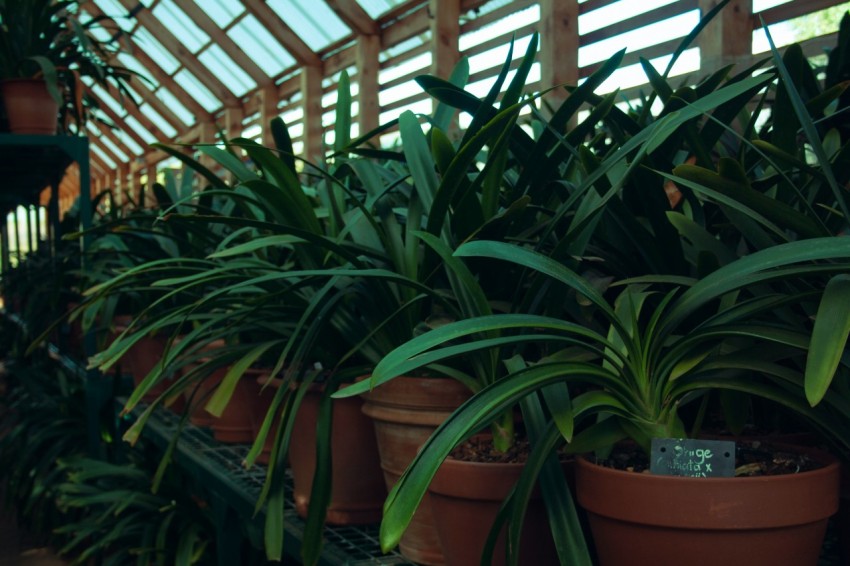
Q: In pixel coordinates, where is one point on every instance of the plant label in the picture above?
(692, 458)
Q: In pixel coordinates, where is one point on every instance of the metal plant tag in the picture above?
(692, 458)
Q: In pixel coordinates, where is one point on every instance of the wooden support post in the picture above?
(559, 42)
(268, 110)
(368, 49)
(728, 38)
(311, 93)
(122, 186)
(233, 117)
(206, 135)
(445, 30)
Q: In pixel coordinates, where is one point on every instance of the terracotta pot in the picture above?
(668, 521)
(357, 486)
(406, 411)
(267, 389)
(234, 425)
(842, 523)
(465, 498)
(141, 358)
(29, 107)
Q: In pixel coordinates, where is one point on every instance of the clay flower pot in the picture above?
(29, 106)
(357, 486)
(465, 499)
(405, 411)
(267, 389)
(668, 521)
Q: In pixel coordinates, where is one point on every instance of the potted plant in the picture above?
(45, 51)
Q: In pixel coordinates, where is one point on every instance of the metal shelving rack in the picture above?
(218, 468)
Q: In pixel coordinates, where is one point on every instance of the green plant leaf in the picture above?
(829, 338)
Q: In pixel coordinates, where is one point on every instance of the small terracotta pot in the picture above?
(234, 425)
(465, 499)
(668, 521)
(141, 358)
(406, 411)
(29, 107)
(357, 486)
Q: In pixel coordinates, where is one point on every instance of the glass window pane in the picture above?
(134, 65)
(155, 50)
(376, 8)
(222, 12)
(103, 157)
(137, 127)
(116, 151)
(117, 12)
(107, 99)
(197, 90)
(266, 51)
(175, 105)
(315, 22)
(227, 70)
(160, 122)
(181, 25)
(128, 142)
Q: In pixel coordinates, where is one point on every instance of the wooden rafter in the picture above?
(156, 72)
(176, 47)
(220, 38)
(354, 16)
(282, 32)
(108, 133)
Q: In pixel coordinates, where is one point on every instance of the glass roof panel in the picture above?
(129, 142)
(376, 8)
(197, 90)
(175, 105)
(266, 51)
(117, 12)
(227, 70)
(107, 99)
(137, 127)
(155, 50)
(181, 25)
(134, 65)
(116, 151)
(164, 127)
(315, 22)
(105, 158)
(222, 12)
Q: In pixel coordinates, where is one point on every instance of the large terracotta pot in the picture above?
(141, 358)
(405, 411)
(640, 519)
(29, 107)
(465, 499)
(843, 519)
(357, 486)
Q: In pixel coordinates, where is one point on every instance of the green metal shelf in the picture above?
(218, 467)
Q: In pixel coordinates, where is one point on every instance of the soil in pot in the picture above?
(466, 496)
(405, 412)
(357, 485)
(29, 107)
(768, 519)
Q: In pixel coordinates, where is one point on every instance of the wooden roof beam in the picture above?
(118, 121)
(220, 38)
(146, 18)
(157, 73)
(282, 32)
(134, 111)
(354, 16)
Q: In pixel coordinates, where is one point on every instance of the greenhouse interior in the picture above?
(438, 282)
